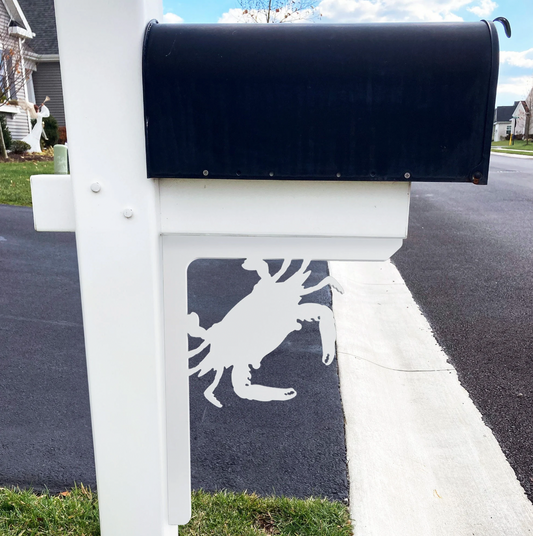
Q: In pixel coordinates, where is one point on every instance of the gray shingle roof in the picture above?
(41, 17)
(503, 113)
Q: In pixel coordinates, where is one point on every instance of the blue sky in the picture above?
(516, 61)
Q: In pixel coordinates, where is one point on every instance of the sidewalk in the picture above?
(508, 152)
(421, 461)
(508, 148)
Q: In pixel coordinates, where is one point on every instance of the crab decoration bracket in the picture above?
(261, 320)
(270, 293)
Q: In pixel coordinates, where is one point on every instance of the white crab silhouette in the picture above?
(257, 325)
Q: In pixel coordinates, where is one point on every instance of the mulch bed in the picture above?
(32, 157)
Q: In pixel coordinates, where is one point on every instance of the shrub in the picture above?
(62, 135)
(8, 140)
(19, 147)
(52, 131)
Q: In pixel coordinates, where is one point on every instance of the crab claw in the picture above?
(336, 285)
(193, 326)
(327, 359)
(244, 388)
(213, 399)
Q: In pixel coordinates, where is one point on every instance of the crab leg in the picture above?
(243, 387)
(326, 326)
(282, 270)
(326, 281)
(305, 264)
(209, 393)
(196, 351)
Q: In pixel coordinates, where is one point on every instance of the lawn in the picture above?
(75, 513)
(15, 180)
(519, 147)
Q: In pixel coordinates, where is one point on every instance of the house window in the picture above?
(11, 78)
(3, 79)
(7, 76)
(508, 129)
(31, 90)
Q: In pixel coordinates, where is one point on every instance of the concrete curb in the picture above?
(512, 155)
(421, 460)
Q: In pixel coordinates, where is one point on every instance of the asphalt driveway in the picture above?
(295, 447)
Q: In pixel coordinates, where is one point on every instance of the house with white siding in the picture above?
(46, 77)
(522, 117)
(503, 121)
(16, 33)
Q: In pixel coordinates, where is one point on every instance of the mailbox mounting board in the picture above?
(372, 102)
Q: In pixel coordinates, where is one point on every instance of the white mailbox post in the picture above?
(113, 208)
(136, 237)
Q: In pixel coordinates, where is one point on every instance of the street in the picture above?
(468, 263)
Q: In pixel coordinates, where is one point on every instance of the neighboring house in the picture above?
(47, 76)
(16, 32)
(522, 116)
(503, 121)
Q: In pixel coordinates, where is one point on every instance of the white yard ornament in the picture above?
(33, 139)
(257, 325)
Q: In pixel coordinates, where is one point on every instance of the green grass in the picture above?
(503, 151)
(231, 514)
(519, 147)
(23, 513)
(15, 180)
(75, 513)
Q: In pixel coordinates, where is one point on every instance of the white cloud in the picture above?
(232, 16)
(237, 15)
(518, 87)
(171, 17)
(392, 10)
(382, 11)
(518, 59)
(484, 9)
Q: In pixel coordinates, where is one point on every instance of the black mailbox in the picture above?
(368, 102)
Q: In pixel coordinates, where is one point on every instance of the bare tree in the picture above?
(278, 11)
(13, 74)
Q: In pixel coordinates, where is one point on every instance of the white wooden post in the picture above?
(117, 230)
